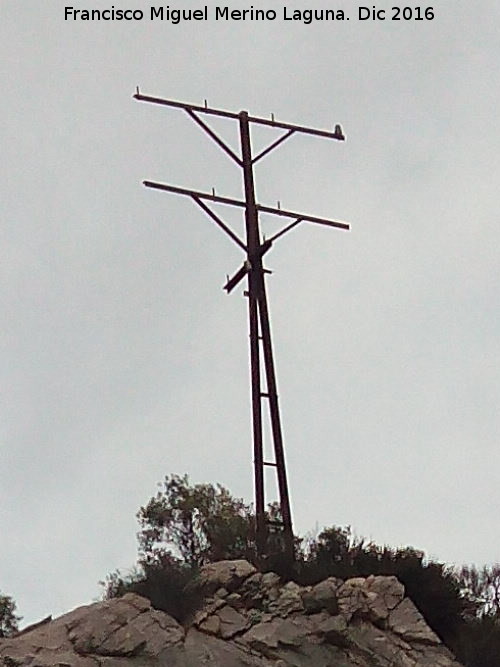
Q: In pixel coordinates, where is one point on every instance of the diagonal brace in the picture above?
(286, 229)
(217, 220)
(214, 136)
(275, 144)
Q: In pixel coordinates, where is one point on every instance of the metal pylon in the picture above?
(260, 330)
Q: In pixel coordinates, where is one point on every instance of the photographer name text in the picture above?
(226, 13)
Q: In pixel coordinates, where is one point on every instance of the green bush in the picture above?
(170, 585)
(8, 619)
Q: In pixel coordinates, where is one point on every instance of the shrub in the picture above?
(478, 642)
(8, 619)
(171, 586)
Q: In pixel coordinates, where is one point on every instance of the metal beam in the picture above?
(237, 202)
(185, 106)
(231, 114)
(254, 289)
(247, 265)
(302, 216)
(238, 277)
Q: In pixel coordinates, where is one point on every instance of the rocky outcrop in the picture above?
(248, 619)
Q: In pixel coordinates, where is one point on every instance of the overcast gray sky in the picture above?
(122, 359)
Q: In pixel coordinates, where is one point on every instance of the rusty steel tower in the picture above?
(254, 249)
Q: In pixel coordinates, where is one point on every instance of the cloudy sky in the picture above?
(123, 360)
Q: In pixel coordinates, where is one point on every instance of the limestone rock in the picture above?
(251, 591)
(384, 594)
(227, 574)
(210, 607)
(231, 622)
(278, 633)
(252, 621)
(352, 598)
(234, 599)
(270, 586)
(407, 621)
(123, 627)
(211, 625)
(322, 596)
(334, 630)
(263, 638)
(288, 600)
(270, 580)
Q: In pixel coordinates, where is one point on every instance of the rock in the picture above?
(228, 574)
(383, 595)
(289, 600)
(210, 607)
(277, 635)
(322, 596)
(234, 599)
(407, 621)
(252, 592)
(252, 584)
(123, 627)
(263, 638)
(352, 598)
(33, 626)
(202, 650)
(231, 622)
(389, 588)
(251, 622)
(270, 586)
(334, 630)
(292, 632)
(126, 626)
(270, 580)
(372, 598)
(211, 625)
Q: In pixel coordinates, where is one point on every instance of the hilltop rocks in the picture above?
(227, 574)
(322, 596)
(248, 619)
(92, 635)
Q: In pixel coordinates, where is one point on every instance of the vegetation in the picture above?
(169, 584)
(8, 619)
(184, 527)
(201, 524)
(478, 642)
